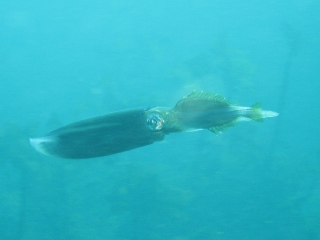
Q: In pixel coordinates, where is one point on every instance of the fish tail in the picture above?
(257, 114)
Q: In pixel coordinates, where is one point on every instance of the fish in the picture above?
(204, 110)
(125, 130)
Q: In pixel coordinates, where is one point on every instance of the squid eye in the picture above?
(154, 121)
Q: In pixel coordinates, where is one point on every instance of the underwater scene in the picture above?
(180, 120)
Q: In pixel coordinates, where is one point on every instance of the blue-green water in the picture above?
(62, 61)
